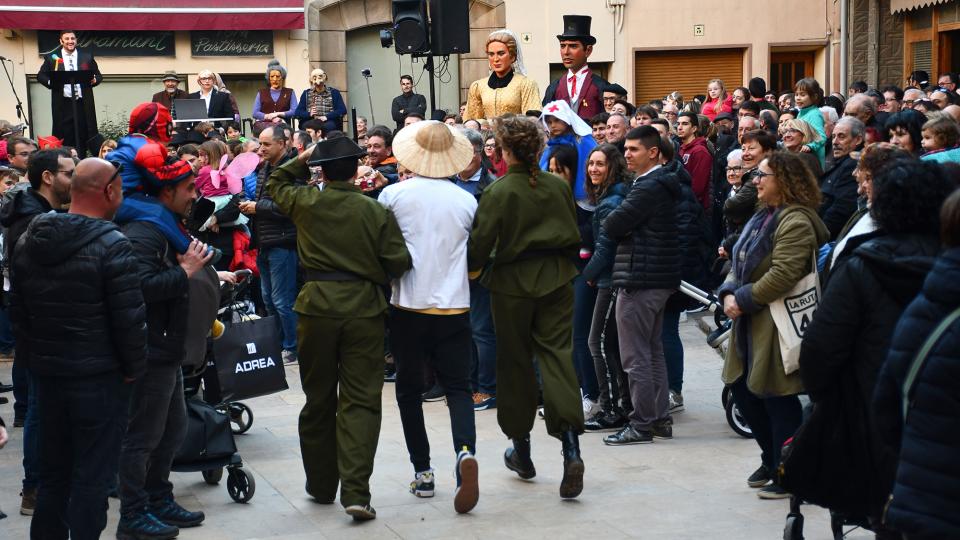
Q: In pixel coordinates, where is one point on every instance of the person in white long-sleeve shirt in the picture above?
(430, 312)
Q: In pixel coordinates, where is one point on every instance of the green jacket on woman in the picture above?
(772, 268)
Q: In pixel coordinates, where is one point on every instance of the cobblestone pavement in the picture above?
(692, 487)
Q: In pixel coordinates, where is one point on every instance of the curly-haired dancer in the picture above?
(529, 216)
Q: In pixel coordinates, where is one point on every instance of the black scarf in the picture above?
(495, 82)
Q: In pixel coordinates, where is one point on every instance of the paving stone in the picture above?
(693, 486)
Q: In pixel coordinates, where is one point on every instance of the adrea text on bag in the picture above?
(255, 364)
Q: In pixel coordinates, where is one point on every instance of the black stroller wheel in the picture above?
(240, 485)
(241, 416)
(213, 476)
(736, 420)
(793, 529)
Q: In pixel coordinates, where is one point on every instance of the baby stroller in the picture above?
(715, 339)
(209, 447)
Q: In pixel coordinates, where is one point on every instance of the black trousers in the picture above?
(158, 424)
(82, 420)
(442, 343)
(773, 420)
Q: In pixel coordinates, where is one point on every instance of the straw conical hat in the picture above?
(432, 149)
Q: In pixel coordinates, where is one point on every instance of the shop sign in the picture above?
(113, 43)
(232, 43)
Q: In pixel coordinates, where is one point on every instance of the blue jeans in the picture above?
(21, 387)
(584, 297)
(484, 372)
(31, 437)
(6, 331)
(278, 281)
(673, 349)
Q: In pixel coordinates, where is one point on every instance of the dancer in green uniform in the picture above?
(529, 217)
(349, 246)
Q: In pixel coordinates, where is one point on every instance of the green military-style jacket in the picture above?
(340, 229)
(533, 230)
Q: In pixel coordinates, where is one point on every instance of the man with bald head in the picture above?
(80, 307)
(864, 108)
(953, 111)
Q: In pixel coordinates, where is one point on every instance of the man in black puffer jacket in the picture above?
(646, 271)
(276, 238)
(80, 309)
(158, 417)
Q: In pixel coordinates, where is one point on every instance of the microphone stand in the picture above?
(20, 113)
(370, 99)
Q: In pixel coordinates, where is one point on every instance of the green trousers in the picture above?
(540, 328)
(338, 436)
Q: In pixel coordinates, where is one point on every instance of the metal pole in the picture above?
(843, 46)
(429, 68)
(373, 117)
(353, 115)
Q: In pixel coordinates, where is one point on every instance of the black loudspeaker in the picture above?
(449, 27)
(410, 32)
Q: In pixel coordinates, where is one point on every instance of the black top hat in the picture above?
(335, 149)
(577, 28)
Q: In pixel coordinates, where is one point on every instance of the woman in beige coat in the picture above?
(774, 252)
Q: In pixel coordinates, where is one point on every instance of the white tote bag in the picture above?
(792, 314)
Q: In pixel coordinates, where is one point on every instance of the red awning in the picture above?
(153, 14)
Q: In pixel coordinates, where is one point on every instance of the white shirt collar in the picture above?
(655, 167)
(474, 178)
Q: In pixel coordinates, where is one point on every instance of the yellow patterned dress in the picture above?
(495, 96)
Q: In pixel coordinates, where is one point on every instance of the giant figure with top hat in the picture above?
(580, 87)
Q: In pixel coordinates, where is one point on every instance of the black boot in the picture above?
(572, 483)
(517, 459)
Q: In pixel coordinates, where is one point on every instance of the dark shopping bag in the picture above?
(208, 434)
(828, 461)
(248, 359)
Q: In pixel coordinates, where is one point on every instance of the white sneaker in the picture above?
(590, 407)
(423, 484)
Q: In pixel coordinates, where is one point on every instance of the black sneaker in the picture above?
(171, 513)
(662, 429)
(773, 491)
(361, 512)
(144, 526)
(759, 478)
(468, 491)
(434, 394)
(605, 421)
(628, 435)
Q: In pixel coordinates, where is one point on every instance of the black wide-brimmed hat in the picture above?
(577, 28)
(335, 149)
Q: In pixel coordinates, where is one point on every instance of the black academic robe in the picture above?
(62, 109)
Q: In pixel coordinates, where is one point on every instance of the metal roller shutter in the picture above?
(657, 73)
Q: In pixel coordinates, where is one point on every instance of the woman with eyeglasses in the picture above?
(494, 154)
(741, 203)
(774, 252)
(796, 134)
